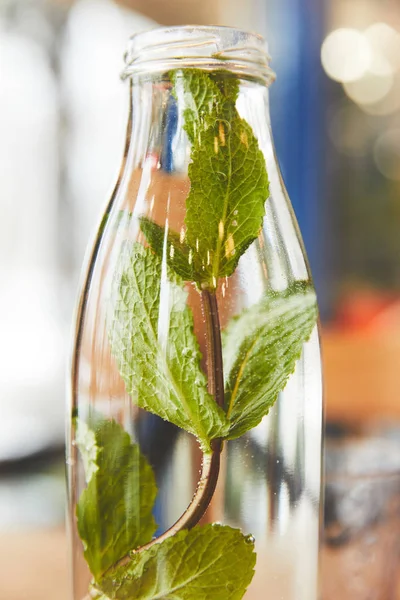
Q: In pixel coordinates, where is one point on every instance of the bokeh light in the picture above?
(346, 55)
(367, 63)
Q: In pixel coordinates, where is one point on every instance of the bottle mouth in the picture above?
(203, 47)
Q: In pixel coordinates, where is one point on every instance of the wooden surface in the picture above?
(362, 375)
(33, 565)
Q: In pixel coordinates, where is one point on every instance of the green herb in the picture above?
(212, 561)
(229, 181)
(161, 367)
(261, 348)
(114, 517)
(198, 94)
(114, 512)
(152, 338)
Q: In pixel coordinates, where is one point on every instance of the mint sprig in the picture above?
(151, 332)
(114, 517)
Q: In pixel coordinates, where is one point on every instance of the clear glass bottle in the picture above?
(196, 394)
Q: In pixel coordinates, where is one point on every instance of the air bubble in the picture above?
(249, 539)
(234, 223)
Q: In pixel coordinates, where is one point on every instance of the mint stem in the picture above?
(214, 347)
(211, 461)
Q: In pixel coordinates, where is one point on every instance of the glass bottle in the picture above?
(195, 406)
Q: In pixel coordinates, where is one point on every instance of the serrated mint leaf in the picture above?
(208, 562)
(260, 349)
(229, 187)
(156, 350)
(229, 181)
(114, 512)
(197, 92)
(178, 254)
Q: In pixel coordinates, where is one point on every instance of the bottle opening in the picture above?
(204, 47)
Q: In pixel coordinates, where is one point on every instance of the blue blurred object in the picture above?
(295, 33)
(170, 129)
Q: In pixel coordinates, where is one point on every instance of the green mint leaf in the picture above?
(157, 352)
(261, 348)
(114, 512)
(179, 255)
(229, 181)
(197, 92)
(211, 561)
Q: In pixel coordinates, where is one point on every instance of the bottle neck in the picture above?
(156, 178)
(156, 134)
(201, 47)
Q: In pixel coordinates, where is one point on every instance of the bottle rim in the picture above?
(204, 47)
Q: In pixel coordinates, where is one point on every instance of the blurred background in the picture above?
(336, 122)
